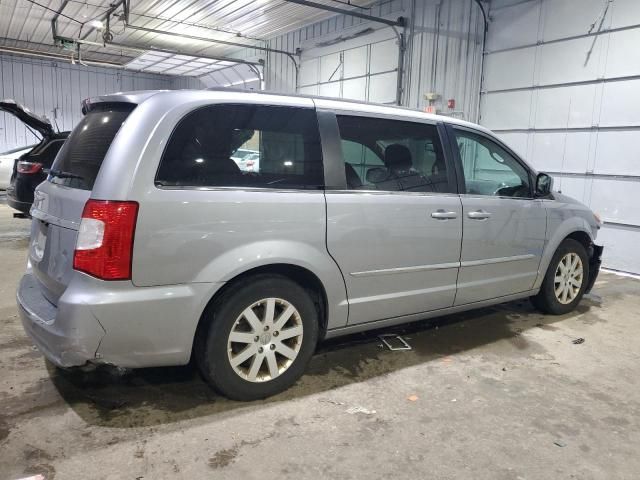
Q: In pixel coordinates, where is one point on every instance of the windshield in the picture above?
(81, 157)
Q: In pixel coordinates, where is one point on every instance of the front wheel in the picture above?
(565, 281)
(260, 338)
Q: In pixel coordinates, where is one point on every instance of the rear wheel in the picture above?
(260, 339)
(566, 279)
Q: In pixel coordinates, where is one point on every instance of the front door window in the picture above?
(489, 169)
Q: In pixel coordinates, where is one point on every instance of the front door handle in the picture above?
(443, 215)
(479, 215)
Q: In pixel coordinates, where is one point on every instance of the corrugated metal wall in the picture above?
(186, 83)
(55, 89)
(444, 41)
(445, 56)
(562, 87)
(444, 45)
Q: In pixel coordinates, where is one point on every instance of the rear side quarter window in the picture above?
(243, 145)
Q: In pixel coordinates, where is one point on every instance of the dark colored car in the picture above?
(29, 169)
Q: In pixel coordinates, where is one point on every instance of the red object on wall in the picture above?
(451, 103)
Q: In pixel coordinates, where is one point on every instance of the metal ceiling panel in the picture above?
(165, 63)
(245, 21)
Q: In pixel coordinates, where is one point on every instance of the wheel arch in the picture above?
(301, 275)
(581, 237)
(575, 228)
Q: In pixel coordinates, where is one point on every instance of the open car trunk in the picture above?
(40, 124)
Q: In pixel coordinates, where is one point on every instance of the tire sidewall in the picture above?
(215, 364)
(548, 288)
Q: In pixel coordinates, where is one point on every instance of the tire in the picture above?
(558, 304)
(221, 359)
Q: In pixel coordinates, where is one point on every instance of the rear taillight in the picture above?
(28, 167)
(105, 239)
(250, 163)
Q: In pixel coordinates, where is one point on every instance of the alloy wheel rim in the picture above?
(568, 278)
(265, 340)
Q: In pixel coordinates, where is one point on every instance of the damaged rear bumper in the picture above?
(595, 260)
(67, 334)
(113, 323)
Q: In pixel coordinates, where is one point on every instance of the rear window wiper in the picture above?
(63, 174)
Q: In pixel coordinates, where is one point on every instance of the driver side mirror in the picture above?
(544, 185)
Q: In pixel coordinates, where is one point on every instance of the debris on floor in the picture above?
(394, 342)
(560, 443)
(578, 341)
(351, 410)
(412, 398)
(359, 409)
(326, 400)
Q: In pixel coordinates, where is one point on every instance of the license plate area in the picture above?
(38, 240)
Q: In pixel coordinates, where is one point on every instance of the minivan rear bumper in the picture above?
(115, 322)
(70, 342)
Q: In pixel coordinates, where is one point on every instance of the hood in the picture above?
(566, 199)
(36, 122)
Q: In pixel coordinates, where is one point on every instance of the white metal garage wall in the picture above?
(363, 69)
(443, 55)
(562, 87)
(55, 89)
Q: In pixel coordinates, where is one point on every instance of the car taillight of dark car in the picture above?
(28, 167)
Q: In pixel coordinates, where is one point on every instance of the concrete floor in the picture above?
(500, 393)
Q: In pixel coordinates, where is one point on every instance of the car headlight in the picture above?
(598, 218)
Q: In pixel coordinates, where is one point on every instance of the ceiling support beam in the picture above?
(290, 55)
(58, 39)
(208, 40)
(343, 11)
(55, 56)
(146, 48)
(124, 4)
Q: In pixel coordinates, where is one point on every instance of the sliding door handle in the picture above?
(443, 215)
(479, 215)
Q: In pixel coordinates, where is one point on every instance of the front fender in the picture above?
(245, 257)
(559, 227)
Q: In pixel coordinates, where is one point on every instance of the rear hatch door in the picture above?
(36, 122)
(59, 201)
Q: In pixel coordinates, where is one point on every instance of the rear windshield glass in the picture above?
(80, 158)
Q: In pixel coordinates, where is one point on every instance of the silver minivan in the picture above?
(151, 247)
